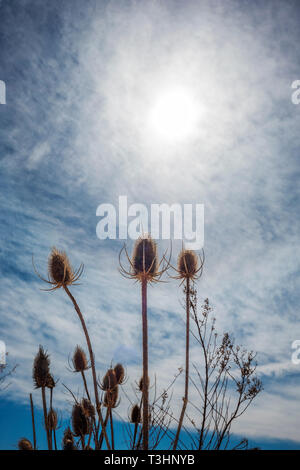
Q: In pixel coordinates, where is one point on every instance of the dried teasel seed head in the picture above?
(52, 420)
(187, 264)
(145, 258)
(111, 398)
(59, 267)
(80, 422)
(135, 416)
(109, 380)
(88, 408)
(80, 362)
(25, 444)
(41, 371)
(141, 382)
(120, 373)
(50, 383)
(68, 440)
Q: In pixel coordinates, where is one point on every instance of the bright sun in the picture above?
(174, 115)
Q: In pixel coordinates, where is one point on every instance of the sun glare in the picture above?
(174, 115)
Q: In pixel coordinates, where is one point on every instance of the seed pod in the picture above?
(135, 416)
(145, 258)
(88, 408)
(52, 420)
(80, 362)
(109, 380)
(60, 270)
(41, 371)
(80, 422)
(120, 373)
(50, 383)
(187, 264)
(25, 444)
(141, 383)
(111, 398)
(68, 440)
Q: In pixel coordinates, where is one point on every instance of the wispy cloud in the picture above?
(74, 133)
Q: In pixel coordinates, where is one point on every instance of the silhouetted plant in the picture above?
(144, 267)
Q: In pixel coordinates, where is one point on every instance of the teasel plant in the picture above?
(189, 269)
(25, 444)
(62, 275)
(42, 379)
(145, 268)
(110, 386)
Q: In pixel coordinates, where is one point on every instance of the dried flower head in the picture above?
(144, 264)
(88, 408)
(111, 398)
(68, 440)
(109, 381)
(80, 422)
(144, 258)
(141, 383)
(41, 371)
(25, 444)
(120, 373)
(80, 362)
(50, 383)
(189, 265)
(60, 271)
(135, 416)
(52, 420)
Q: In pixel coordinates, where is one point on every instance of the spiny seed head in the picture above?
(135, 416)
(141, 382)
(50, 381)
(120, 373)
(68, 440)
(145, 258)
(25, 444)
(111, 398)
(80, 362)
(80, 422)
(187, 264)
(52, 420)
(88, 408)
(41, 371)
(109, 380)
(59, 267)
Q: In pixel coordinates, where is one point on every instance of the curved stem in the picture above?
(145, 368)
(187, 352)
(89, 345)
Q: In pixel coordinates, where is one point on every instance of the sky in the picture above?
(82, 81)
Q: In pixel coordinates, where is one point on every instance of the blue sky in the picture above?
(81, 80)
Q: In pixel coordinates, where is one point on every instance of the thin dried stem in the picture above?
(187, 353)
(89, 345)
(145, 390)
(33, 423)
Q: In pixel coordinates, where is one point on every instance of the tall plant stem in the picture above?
(105, 424)
(136, 425)
(45, 416)
(111, 429)
(187, 363)
(145, 368)
(33, 424)
(89, 345)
